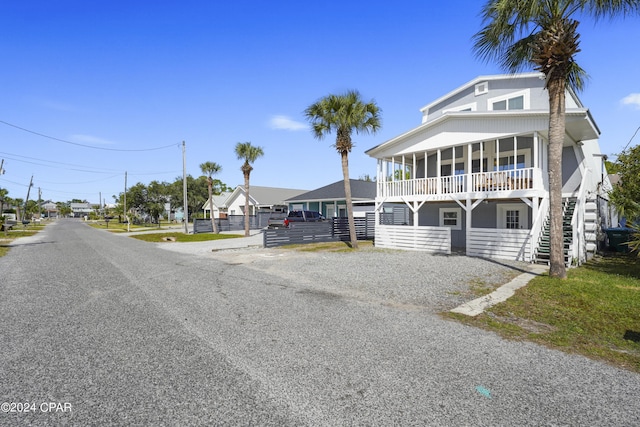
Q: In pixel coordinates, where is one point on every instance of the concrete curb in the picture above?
(478, 305)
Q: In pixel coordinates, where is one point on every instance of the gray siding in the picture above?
(571, 176)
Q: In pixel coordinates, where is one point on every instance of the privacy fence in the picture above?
(333, 230)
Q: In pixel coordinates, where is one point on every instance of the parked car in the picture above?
(282, 221)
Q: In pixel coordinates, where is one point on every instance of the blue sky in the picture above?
(147, 74)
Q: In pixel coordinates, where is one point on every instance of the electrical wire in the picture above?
(85, 145)
(634, 135)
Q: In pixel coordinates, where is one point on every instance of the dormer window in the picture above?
(519, 101)
(482, 88)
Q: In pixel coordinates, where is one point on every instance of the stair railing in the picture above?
(577, 248)
(537, 229)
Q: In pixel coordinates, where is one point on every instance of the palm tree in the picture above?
(344, 114)
(247, 152)
(543, 33)
(210, 169)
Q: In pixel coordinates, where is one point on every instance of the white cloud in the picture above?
(89, 139)
(632, 99)
(286, 123)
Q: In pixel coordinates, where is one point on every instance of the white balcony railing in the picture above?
(507, 180)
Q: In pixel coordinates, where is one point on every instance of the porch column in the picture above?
(404, 167)
(482, 157)
(413, 169)
(515, 152)
(469, 167)
(497, 155)
(393, 169)
(426, 157)
(439, 170)
(536, 160)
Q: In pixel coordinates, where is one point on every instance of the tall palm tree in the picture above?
(344, 114)
(210, 169)
(543, 33)
(247, 152)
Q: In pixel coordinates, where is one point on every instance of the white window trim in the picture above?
(482, 88)
(458, 212)
(473, 106)
(526, 94)
(502, 214)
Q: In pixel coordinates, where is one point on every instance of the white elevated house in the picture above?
(474, 174)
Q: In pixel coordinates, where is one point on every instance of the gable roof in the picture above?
(265, 196)
(218, 200)
(360, 190)
(452, 128)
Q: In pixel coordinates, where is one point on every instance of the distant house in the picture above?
(50, 209)
(330, 200)
(219, 206)
(474, 174)
(261, 199)
(79, 210)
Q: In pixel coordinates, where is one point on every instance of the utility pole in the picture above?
(1, 169)
(24, 211)
(184, 188)
(124, 212)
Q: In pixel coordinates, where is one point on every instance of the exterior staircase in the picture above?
(543, 252)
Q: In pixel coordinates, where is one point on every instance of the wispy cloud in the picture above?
(89, 139)
(285, 123)
(632, 99)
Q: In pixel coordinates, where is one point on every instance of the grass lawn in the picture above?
(594, 312)
(17, 232)
(181, 237)
(117, 227)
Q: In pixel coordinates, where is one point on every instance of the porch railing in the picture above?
(506, 180)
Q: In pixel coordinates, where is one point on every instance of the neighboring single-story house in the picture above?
(474, 174)
(330, 200)
(261, 199)
(219, 207)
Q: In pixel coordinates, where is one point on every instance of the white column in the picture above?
(439, 170)
(469, 166)
(413, 169)
(515, 152)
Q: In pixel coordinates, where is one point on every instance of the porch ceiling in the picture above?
(455, 129)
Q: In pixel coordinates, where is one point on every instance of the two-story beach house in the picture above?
(473, 176)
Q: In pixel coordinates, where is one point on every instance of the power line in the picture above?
(634, 135)
(84, 145)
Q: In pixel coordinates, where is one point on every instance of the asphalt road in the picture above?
(100, 329)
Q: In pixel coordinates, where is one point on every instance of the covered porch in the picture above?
(479, 169)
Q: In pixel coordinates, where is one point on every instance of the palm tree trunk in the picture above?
(246, 205)
(214, 227)
(347, 194)
(556, 88)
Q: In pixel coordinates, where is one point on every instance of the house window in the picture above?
(513, 216)
(513, 219)
(445, 170)
(506, 163)
(517, 101)
(482, 88)
(451, 217)
(475, 165)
